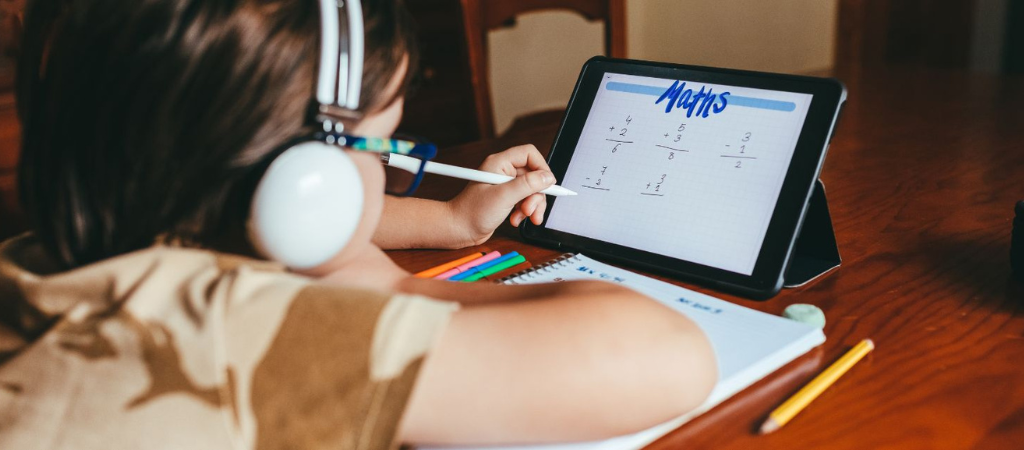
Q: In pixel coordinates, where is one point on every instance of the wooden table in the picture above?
(921, 178)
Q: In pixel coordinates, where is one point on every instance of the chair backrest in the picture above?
(12, 220)
(481, 16)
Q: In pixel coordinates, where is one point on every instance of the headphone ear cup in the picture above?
(307, 205)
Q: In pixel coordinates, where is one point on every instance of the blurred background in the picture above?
(535, 61)
(495, 67)
(490, 63)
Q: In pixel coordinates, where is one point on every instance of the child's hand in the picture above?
(480, 208)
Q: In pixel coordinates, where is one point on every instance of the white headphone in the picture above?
(308, 204)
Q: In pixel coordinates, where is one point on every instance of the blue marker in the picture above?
(484, 266)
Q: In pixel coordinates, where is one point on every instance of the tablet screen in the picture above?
(685, 169)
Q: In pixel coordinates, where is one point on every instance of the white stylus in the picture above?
(411, 165)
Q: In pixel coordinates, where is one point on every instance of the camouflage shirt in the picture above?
(188, 349)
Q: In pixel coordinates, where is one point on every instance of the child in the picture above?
(137, 314)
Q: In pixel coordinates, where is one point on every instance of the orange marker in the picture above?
(448, 265)
(464, 267)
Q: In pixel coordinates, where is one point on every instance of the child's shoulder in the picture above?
(209, 335)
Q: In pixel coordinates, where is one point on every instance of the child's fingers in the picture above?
(510, 161)
(516, 218)
(531, 207)
(538, 215)
(526, 156)
(530, 204)
(511, 193)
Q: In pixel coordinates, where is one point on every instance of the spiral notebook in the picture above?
(748, 344)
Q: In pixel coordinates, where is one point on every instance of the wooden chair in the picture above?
(12, 220)
(482, 16)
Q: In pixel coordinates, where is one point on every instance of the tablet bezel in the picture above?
(768, 275)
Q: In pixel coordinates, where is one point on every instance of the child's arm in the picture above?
(583, 365)
(484, 292)
(374, 270)
(472, 216)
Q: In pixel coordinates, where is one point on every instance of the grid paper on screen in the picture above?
(696, 188)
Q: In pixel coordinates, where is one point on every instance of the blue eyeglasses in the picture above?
(398, 181)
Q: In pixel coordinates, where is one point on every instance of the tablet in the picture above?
(699, 173)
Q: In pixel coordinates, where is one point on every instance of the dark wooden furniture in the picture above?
(921, 33)
(922, 177)
(11, 219)
(441, 107)
(12, 16)
(482, 16)
(451, 100)
(1013, 53)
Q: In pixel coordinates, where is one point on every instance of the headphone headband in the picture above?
(308, 203)
(340, 77)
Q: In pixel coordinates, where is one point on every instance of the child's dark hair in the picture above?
(143, 119)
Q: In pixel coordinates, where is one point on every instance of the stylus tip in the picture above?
(558, 191)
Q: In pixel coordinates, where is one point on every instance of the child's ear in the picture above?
(381, 123)
(307, 206)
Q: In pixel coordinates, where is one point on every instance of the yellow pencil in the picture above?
(448, 265)
(808, 393)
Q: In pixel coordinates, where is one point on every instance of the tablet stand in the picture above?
(815, 252)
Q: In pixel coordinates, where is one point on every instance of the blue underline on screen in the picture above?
(734, 100)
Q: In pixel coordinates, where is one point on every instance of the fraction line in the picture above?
(597, 188)
(653, 195)
(621, 142)
(670, 148)
(740, 157)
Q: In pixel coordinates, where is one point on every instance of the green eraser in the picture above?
(804, 313)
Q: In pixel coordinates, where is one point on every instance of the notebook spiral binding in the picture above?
(527, 273)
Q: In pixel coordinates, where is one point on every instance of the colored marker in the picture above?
(466, 266)
(448, 265)
(484, 266)
(495, 269)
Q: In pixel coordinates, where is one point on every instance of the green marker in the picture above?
(495, 269)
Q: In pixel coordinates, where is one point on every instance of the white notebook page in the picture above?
(748, 344)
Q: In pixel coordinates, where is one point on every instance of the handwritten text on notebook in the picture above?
(601, 275)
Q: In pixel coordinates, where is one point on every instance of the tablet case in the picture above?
(815, 252)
